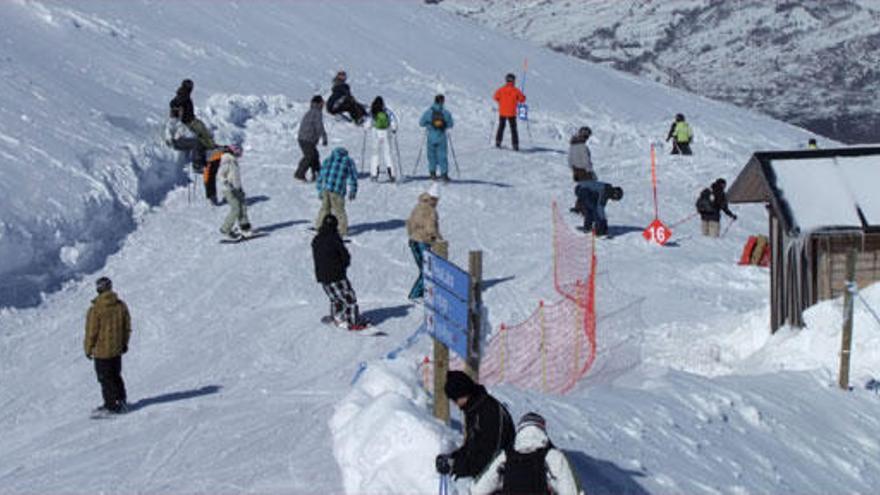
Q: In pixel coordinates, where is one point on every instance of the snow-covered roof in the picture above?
(815, 189)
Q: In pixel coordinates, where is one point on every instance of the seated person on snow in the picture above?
(341, 100)
(592, 196)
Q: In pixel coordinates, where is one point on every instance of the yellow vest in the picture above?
(683, 133)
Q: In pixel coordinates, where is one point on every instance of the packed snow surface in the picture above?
(235, 385)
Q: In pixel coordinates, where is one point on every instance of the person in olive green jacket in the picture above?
(423, 229)
(108, 328)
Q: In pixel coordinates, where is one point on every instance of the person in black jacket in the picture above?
(341, 100)
(489, 428)
(183, 101)
(331, 262)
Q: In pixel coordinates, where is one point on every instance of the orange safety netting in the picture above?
(556, 345)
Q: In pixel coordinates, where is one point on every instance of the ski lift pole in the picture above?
(454, 159)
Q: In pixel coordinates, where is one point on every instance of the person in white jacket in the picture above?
(384, 129)
(230, 176)
(534, 465)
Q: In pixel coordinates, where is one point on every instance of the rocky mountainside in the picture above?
(814, 63)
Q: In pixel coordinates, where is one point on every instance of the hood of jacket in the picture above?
(437, 107)
(107, 298)
(529, 439)
(338, 154)
(426, 198)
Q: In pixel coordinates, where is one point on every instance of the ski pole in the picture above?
(444, 484)
(728, 227)
(192, 185)
(419, 156)
(683, 220)
(397, 149)
(454, 159)
(363, 148)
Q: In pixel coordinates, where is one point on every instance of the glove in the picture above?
(351, 196)
(125, 348)
(443, 462)
(734, 216)
(324, 142)
(88, 356)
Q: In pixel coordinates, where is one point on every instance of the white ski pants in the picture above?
(383, 146)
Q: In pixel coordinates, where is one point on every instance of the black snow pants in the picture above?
(109, 373)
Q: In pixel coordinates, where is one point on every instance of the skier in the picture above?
(311, 129)
(331, 263)
(681, 134)
(382, 123)
(182, 101)
(422, 228)
(709, 215)
(812, 145)
(338, 173)
(580, 160)
(532, 465)
(508, 97)
(108, 329)
(719, 203)
(230, 176)
(341, 100)
(592, 196)
(488, 428)
(437, 120)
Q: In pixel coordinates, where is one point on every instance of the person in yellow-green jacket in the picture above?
(108, 329)
(681, 134)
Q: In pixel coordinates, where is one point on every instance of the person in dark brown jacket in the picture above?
(108, 328)
(423, 229)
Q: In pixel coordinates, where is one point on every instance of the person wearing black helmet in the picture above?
(108, 329)
(508, 97)
(681, 134)
(532, 465)
(592, 196)
(489, 428)
(580, 161)
(341, 99)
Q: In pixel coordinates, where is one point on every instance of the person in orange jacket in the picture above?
(508, 96)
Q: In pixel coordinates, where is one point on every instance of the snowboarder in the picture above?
(437, 120)
(488, 428)
(230, 176)
(711, 220)
(382, 123)
(592, 196)
(338, 174)
(580, 160)
(108, 329)
(331, 263)
(532, 465)
(341, 100)
(681, 134)
(182, 101)
(311, 129)
(422, 228)
(508, 97)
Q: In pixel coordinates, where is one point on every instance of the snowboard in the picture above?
(101, 413)
(241, 238)
(328, 320)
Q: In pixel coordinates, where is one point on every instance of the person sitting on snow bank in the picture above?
(489, 428)
(592, 196)
(341, 100)
(533, 465)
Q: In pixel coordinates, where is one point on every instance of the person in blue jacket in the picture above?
(437, 120)
(592, 196)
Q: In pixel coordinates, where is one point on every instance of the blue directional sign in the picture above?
(441, 329)
(447, 274)
(522, 111)
(446, 302)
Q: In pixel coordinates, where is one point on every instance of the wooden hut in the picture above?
(822, 204)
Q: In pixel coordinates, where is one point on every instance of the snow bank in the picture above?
(384, 437)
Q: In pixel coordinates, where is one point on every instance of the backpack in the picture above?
(438, 120)
(705, 206)
(525, 473)
(381, 120)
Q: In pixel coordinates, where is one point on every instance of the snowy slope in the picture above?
(237, 388)
(809, 62)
